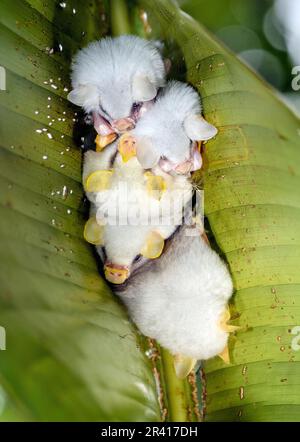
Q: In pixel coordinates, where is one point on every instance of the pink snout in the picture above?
(123, 124)
(101, 125)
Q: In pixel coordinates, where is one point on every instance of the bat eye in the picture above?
(137, 258)
(136, 107)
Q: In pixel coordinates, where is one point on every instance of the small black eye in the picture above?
(136, 107)
(137, 258)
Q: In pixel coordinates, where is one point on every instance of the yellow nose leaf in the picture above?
(183, 365)
(93, 232)
(98, 181)
(115, 275)
(155, 185)
(127, 147)
(154, 246)
(223, 322)
(224, 355)
(103, 141)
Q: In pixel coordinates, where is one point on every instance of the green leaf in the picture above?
(252, 202)
(72, 353)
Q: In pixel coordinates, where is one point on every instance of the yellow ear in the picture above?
(183, 365)
(103, 141)
(98, 181)
(223, 322)
(224, 355)
(156, 185)
(93, 232)
(154, 246)
(127, 147)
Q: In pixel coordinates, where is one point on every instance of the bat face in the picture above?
(123, 251)
(130, 238)
(112, 78)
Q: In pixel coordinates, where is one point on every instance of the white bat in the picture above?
(181, 301)
(167, 133)
(115, 79)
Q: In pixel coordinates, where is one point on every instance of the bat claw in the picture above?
(223, 323)
(183, 365)
(224, 355)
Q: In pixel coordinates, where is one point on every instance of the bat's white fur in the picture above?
(172, 123)
(163, 124)
(180, 299)
(110, 67)
(124, 242)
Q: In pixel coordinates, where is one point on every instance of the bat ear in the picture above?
(197, 128)
(145, 152)
(93, 232)
(142, 88)
(154, 246)
(82, 93)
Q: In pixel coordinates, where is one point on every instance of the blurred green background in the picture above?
(264, 33)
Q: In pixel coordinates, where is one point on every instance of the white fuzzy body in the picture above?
(180, 298)
(110, 65)
(163, 124)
